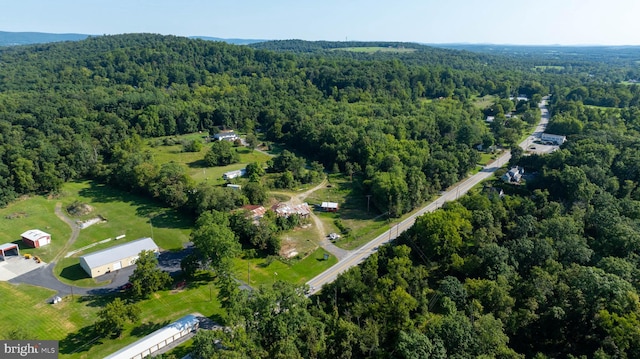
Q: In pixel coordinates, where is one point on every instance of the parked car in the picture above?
(126, 286)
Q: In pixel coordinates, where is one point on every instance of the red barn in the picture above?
(36, 238)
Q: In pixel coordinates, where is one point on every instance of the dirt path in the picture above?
(324, 242)
(75, 231)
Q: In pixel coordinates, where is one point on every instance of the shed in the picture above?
(36, 238)
(114, 258)
(4, 248)
(330, 206)
(158, 339)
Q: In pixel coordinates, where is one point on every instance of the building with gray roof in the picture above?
(114, 258)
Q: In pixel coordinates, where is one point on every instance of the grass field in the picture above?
(196, 167)
(126, 214)
(264, 271)
(71, 321)
(545, 68)
(34, 213)
(365, 225)
(484, 102)
(374, 49)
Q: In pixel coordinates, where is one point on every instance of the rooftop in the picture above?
(112, 254)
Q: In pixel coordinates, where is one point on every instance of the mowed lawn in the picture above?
(23, 307)
(194, 161)
(35, 212)
(126, 214)
(264, 271)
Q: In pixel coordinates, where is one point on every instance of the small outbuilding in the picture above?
(4, 248)
(36, 238)
(329, 206)
(159, 339)
(114, 258)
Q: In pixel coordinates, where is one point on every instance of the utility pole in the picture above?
(151, 224)
(368, 198)
(248, 273)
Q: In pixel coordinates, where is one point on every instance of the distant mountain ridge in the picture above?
(8, 38)
(25, 38)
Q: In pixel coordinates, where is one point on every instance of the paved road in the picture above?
(357, 256)
(44, 277)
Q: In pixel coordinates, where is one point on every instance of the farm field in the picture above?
(71, 321)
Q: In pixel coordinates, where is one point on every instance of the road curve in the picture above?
(360, 254)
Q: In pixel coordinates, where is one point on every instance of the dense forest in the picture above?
(81, 109)
(545, 269)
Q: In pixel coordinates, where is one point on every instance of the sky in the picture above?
(541, 22)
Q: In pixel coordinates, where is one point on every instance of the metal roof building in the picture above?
(7, 247)
(158, 339)
(36, 238)
(114, 258)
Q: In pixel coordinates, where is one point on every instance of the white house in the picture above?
(225, 136)
(556, 139)
(234, 174)
(36, 238)
(514, 175)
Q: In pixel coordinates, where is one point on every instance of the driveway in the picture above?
(43, 276)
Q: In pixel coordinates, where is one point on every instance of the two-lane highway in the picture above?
(357, 256)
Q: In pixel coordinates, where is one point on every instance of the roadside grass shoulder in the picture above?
(265, 271)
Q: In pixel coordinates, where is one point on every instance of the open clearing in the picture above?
(71, 320)
(264, 271)
(373, 49)
(194, 161)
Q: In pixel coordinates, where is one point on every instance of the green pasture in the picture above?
(35, 212)
(374, 49)
(264, 271)
(194, 161)
(484, 102)
(24, 307)
(545, 68)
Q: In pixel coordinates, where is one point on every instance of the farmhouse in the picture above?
(225, 136)
(114, 258)
(556, 139)
(329, 206)
(4, 248)
(234, 174)
(159, 339)
(36, 238)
